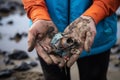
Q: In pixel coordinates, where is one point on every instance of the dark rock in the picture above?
(12, 5)
(33, 64)
(18, 55)
(117, 65)
(5, 73)
(10, 22)
(17, 37)
(4, 9)
(7, 61)
(23, 67)
(4, 53)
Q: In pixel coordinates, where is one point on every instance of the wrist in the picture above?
(89, 18)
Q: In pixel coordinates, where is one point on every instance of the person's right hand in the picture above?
(39, 37)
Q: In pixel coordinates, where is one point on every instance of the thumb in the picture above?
(74, 57)
(31, 41)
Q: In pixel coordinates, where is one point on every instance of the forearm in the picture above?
(101, 9)
(36, 9)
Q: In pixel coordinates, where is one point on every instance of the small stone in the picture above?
(33, 64)
(23, 67)
(18, 55)
(10, 22)
(117, 65)
(5, 73)
(7, 61)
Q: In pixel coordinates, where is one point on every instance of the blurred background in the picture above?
(18, 64)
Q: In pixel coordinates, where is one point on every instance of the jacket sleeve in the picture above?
(36, 9)
(101, 9)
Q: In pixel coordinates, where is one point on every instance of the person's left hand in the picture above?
(83, 30)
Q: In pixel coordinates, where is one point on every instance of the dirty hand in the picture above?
(83, 30)
(39, 37)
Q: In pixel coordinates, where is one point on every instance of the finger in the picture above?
(92, 38)
(88, 41)
(43, 54)
(31, 41)
(62, 62)
(73, 58)
(45, 46)
(55, 59)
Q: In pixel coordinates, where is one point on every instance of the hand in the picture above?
(39, 37)
(83, 30)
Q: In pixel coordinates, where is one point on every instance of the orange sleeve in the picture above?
(36, 9)
(101, 9)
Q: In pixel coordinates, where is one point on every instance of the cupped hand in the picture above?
(39, 37)
(83, 30)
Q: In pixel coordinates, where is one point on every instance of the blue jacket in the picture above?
(63, 12)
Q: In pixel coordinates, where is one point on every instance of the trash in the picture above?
(18, 55)
(5, 73)
(33, 64)
(23, 67)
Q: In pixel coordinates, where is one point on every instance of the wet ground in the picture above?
(13, 36)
